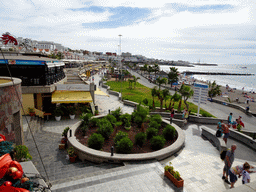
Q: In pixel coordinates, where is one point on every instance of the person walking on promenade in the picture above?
(219, 128)
(229, 159)
(230, 118)
(226, 132)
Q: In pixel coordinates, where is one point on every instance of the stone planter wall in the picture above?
(86, 153)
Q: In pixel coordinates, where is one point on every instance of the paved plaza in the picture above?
(198, 162)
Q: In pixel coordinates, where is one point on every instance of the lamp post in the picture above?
(120, 64)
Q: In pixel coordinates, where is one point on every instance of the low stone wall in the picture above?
(86, 153)
(236, 106)
(210, 135)
(130, 103)
(245, 139)
(205, 120)
(176, 120)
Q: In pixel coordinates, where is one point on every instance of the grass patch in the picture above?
(141, 92)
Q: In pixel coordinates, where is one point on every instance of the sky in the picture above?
(216, 31)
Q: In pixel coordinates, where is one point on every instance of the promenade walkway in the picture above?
(198, 162)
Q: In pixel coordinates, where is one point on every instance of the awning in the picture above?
(71, 97)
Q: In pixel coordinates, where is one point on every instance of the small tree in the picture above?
(176, 98)
(125, 146)
(160, 81)
(214, 89)
(140, 139)
(96, 141)
(135, 79)
(120, 135)
(186, 92)
(166, 95)
(140, 116)
(105, 128)
(160, 96)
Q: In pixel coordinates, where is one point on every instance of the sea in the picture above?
(233, 81)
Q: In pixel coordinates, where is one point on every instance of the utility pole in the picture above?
(120, 64)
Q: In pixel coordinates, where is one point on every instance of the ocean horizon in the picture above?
(234, 81)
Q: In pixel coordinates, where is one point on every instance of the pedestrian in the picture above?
(245, 173)
(230, 118)
(229, 159)
(226, 132)
(219, 129)
(240, 170)
(172, 114)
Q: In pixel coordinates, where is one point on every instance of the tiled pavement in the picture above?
(198, 163)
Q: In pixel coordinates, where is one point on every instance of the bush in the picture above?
(125, 146)
(111, 119)
(120, 135)
(140, 115)
(151, 132)
(93, 122)
(140, 139)
(156, 118)
(117, 113)
(105, 128)
(96, 141)
(125, 117)
(21, 153)
(145, 101)
(84, 129)
(157, 142)
(86, 118)
(65, 132)
(154, 124)
(169, 132)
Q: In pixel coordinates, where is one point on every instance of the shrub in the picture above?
(111, 119)
(105, 128)
(127, 124)
(157, 142)
(151, 132)
(84, 129)
(94, 121)
(117, 113)
(65, 132)
(145, 101)
(156, 118)
(140, 139)
(21, 153)
(125, 117)
(140, 115)
(125, 145)
(154, 124)
(86, 118)
(169, 132)
(120, 135)
(96, 141)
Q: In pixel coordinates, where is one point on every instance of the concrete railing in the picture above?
(210, 135)
(245, 139)
(236, 106)
(86, 153)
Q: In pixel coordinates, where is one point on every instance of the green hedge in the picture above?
(125, 146)
(157, 142)
(96, 141)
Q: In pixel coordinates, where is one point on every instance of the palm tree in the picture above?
(150, 70)
(153, 94)
(156, 69)
(160, 96)
(214, 89)
(130, 83)
(173, 75)
(135, 79)
(176, 98)
(160, 81)
(166, 95)
(186, 92)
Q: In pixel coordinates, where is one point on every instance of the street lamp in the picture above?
(120, 64)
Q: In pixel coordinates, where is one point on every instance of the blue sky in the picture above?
(217, 31)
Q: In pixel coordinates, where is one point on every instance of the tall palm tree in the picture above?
(135, 79)
(153, 94)
(156, 69)
(166, 95)
(150, 70)
(173, 75)
(160, 96)
(160, 81)
(186, 92)
(175, 98)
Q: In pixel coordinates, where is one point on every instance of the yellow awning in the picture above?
(71, 97)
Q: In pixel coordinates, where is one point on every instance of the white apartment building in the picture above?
(45, 45)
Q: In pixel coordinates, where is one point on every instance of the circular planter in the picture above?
(86, 153)
(72, 116)
(57, 118)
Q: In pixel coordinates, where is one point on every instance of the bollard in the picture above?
(109, 111)
(70, 133)
(170, 120)
(112, 151)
